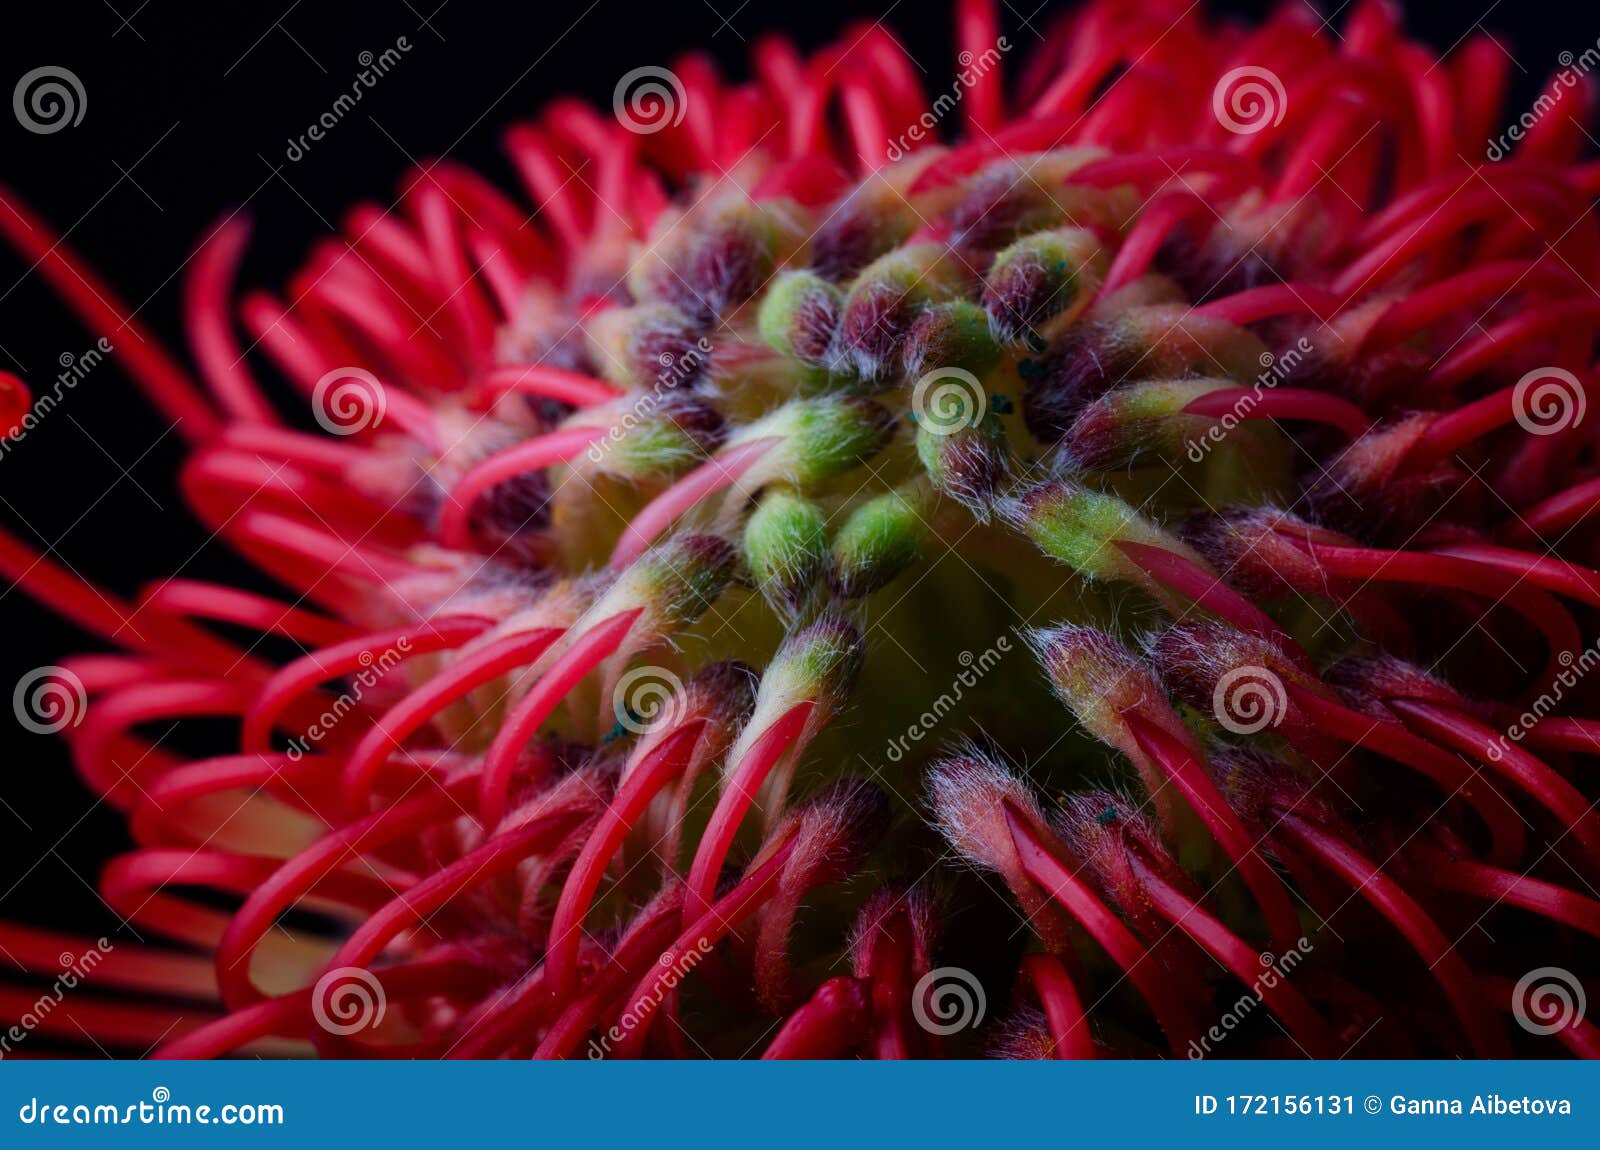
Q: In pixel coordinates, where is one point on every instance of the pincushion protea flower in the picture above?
(1205, 383)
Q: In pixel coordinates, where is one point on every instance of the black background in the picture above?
(189, 111)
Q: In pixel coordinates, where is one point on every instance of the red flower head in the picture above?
(863, 553)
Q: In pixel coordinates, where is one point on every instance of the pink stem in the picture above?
(569, 387)
(1306, 1026)
(1385, 896)
(1070, 1037)
(712, 476)
(663, 763)
(738, 793)
(830, 1025)
(1295, 403)
(408, 716)
(530, 455)
(1390, 739)
(593, 647)
(208, 320)
(1256, 304)
(1062, 885)
(1179, 764)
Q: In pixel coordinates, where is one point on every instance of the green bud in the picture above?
(967, 464)
(820, 437)
(799, 314)
(954, 333)
(786, 547)
(879, 540)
